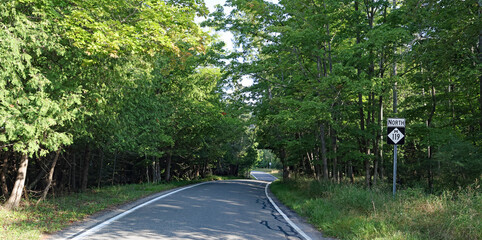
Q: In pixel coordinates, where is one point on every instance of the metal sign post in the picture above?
(394, 191)
(396, 135)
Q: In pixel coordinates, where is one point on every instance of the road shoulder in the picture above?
(301, 222)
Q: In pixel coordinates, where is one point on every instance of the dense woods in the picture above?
(104, 92)
(108, 92)
(328, 73)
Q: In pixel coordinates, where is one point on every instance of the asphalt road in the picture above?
(263, 176)
(237, 209)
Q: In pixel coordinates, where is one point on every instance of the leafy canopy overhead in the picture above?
(117, 27)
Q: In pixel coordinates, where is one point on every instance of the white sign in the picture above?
(396, 131)
(396, 122)
(396, 135)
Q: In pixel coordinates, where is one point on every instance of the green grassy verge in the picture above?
(351, 212)
(33, 222)
(275, 172)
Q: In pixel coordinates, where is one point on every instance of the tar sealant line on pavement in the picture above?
(109, 221)
(284, 215)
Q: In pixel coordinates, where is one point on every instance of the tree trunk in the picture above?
(323, 152)
(113, 170)
(147, 168)
(429, 149)
(380, 150)
(39, 176)
(350, 172)
(50, 177)
(310, 164)
(368, 152)
(147, 174)
(430, 170)
(286, 170)
(207, 170)
(335, 158)
(3, 175)
(303, 167)
(168, 167)
(85, 170)
(480, 71)
(375, 166)
(158, 169)
(366, 163)
(99, 177)
(330, 62)
(376, 141)
(155, 175)
(74, 184)
(363, 143)
(14, 199)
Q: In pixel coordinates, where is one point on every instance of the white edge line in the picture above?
(284, 215)
(110, 220)
(253, 176)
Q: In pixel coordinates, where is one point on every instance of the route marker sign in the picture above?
(396, 135)
(396, 131)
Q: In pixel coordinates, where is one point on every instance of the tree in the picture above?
(323, 71)
(33, 109)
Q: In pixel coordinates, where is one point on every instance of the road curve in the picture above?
(262, 176)
(237, 209)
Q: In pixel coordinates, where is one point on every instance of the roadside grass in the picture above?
(275, 172)
(33, 222)
(353, 212)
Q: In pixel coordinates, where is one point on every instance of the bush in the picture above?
(460, 163)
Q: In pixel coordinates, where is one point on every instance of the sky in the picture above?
(227, 37)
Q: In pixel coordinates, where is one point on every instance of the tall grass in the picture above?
(353, 212)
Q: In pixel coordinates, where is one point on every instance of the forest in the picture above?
(98, 93)
(327, 74)
(107, 92)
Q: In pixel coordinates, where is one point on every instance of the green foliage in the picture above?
(36, 104)
(141, 82)
(115, 28)
(323, 75)
(265, 157)
(120, 86)
(459, 162)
